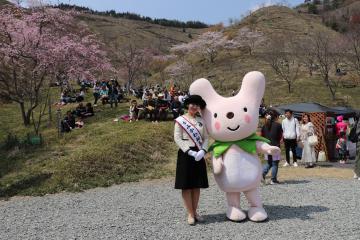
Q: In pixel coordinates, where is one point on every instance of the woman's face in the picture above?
(193, 109)
(306, 119)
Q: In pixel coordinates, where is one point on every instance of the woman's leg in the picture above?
(357, 160)
(195, 196)
(186, 195)
(275, 166)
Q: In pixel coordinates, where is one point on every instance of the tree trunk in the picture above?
(289, 87)
(25, 116)
(50, 111)
(332, 91)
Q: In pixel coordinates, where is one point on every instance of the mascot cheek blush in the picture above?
(232, 122)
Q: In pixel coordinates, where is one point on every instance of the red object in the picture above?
(340, 126)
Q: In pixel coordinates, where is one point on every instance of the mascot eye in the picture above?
(245, 109)
(215, 115)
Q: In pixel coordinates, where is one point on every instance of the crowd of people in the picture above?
(299, 135)
(157, 103)
(152, 103)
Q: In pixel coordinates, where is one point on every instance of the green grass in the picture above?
(103, 153)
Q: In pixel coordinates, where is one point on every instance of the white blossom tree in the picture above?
(249, 39)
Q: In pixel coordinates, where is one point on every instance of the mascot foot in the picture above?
(257, 214)
(235, 214)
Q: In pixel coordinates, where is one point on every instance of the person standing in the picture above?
(357, 158)
(96, 93)
(113, 93)
(192, 139)
(340, 126)
(341, 147)
(272, 130)
(307, 129)
(291, 135)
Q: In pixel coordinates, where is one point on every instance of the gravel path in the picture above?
(298, 209)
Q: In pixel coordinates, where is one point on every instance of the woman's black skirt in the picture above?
(190, 173)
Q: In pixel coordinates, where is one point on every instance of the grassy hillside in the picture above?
(2, 2)
(281, 20)
(101, 154)
(228, 70)
(145, 35)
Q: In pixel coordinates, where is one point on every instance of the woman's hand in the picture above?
(192, 153)
(200, 154)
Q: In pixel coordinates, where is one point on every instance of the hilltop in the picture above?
(229, 68)
(145, 35)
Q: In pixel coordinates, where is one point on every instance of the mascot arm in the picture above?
(217, 164)
(264, 148)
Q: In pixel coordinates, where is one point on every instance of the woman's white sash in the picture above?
(191, 130)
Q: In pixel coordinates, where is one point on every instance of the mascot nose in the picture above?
(230, 115)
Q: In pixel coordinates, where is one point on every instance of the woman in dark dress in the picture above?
(272, 130)
(191, 174)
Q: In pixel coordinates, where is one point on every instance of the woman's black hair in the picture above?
(269, 122)
(305, 114)
(195, 99)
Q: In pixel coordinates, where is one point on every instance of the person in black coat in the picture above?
(272, 130)
(176, 107)
(68, 123)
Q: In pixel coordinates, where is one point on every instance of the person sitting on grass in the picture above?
(150, 109)
(341, 147)
(104, 95)
(79, 123)
(80, 96)
(80, 110)
(89, 111)
(68, 123)
(162, 107)
(176, 108)
(134, 111)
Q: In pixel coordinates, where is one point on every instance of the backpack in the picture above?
(353, 137)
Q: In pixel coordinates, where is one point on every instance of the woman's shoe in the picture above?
(191, 220)
(199, 218)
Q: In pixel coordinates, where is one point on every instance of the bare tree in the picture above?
(324, 51)
(353, 49)
(283, 59)
(249, 39)
(133, 60)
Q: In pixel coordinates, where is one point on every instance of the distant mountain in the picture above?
(134, 16)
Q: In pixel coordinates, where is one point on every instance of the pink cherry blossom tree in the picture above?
(37, 44)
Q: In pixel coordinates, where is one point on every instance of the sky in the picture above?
(208, 11)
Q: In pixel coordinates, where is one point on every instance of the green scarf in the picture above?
(248, 145)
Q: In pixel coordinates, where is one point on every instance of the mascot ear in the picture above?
(203, 88)
(252, 87)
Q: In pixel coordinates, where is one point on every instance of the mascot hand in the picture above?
(200, 154)
(273, 150)
(192, 153)
(217, 165)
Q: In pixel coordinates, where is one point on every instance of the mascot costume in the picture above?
(232, 122)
